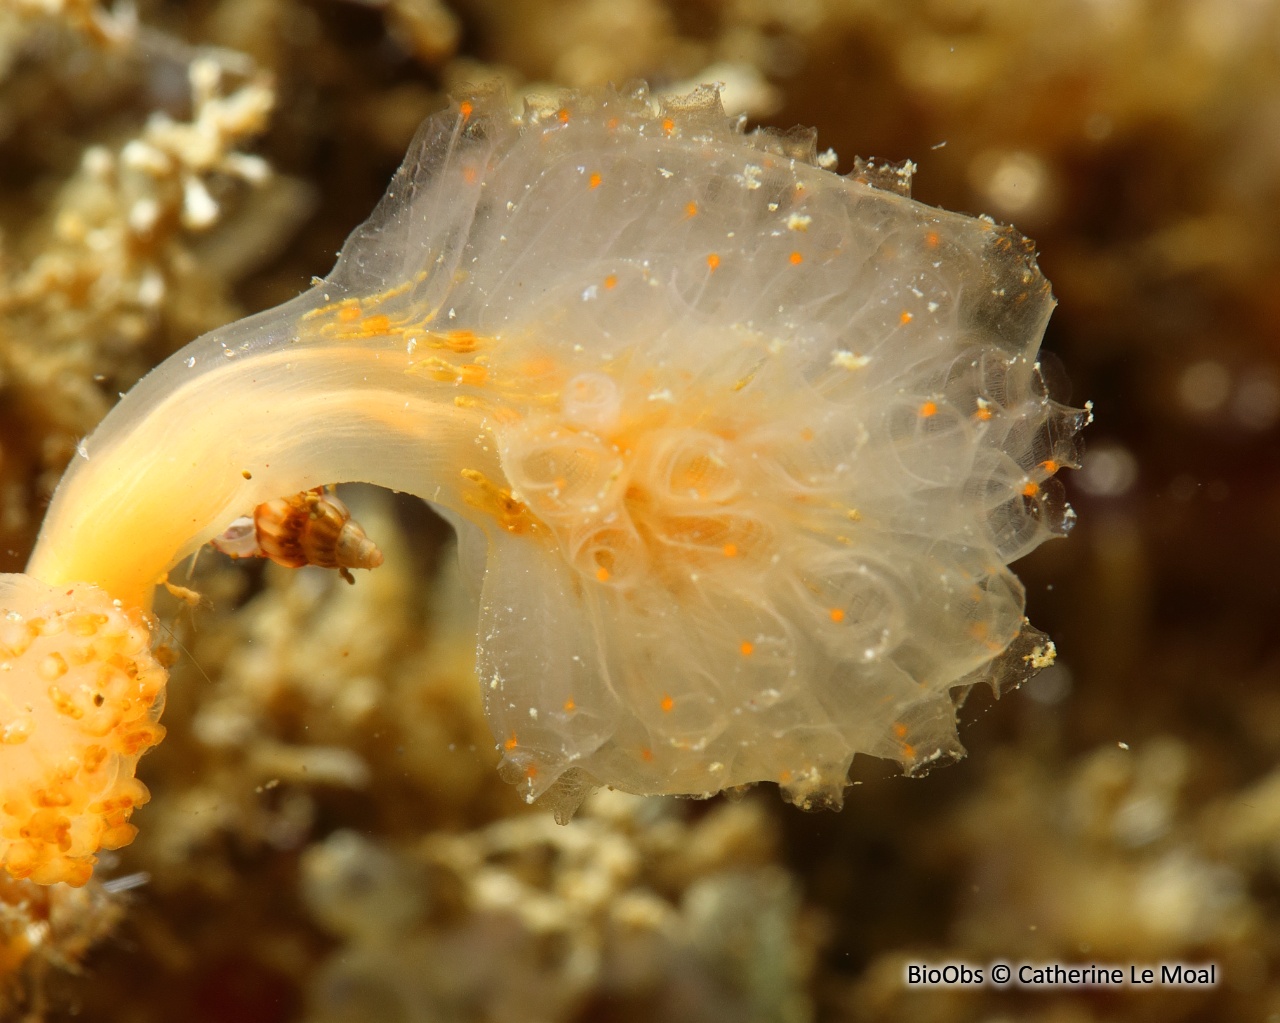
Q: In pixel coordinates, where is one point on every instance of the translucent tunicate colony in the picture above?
(739, 450)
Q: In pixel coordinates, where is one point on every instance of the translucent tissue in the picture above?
(738, 450)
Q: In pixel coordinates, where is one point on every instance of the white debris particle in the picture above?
(1042, 656)
(199, 208)
(848, 360)
(143, 215)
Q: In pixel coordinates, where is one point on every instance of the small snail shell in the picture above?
(309, 528)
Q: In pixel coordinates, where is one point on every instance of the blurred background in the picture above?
(328, 840)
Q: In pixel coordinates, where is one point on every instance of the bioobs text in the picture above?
(951, 975)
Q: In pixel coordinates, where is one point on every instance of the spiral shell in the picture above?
(313, 527)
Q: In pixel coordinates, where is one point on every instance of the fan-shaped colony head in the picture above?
(739, 451)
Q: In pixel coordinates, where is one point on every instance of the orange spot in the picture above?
(349, 311)
(784, 777)
(806, 434)
(928, 409)
(908, 751)
(531, 771)
(730, 550)
(646, 754)
(562, 115)
(594, 181)
(837, 614)
(570, 706)
(668, 126)
(667, 703)
(62, 703)
(796, 258)
(905, 318)
(610, 282)
(376, 324)
(1030, 489)
(899, 729)
(691, 209)
(1050, 466)
(983, 414)
(746, 648)
(978, 630)
(461, 341)
(469, 175)
(611, 124)
(511, 743)
(713, 261)
(472, 374)
(602, 574)
(931, 239)
(49, 799)
(465, 109)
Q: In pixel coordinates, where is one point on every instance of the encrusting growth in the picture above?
(738, 451)
(81, 695)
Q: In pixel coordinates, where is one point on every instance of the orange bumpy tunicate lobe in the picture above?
(80, 692)
(770, 438)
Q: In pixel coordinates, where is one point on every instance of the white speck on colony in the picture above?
(190, 361)
(848, 360)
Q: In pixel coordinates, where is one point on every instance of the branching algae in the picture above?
(737, 449)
